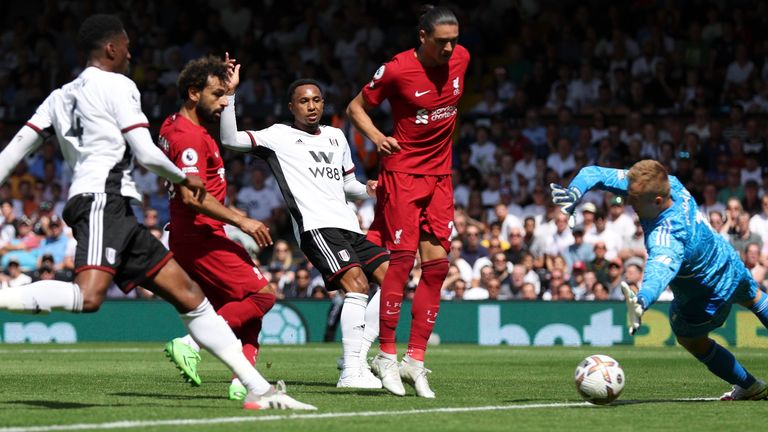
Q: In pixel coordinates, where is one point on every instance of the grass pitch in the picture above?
(121, 386)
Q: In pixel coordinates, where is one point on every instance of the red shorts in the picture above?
(221, 267)
(409, 204)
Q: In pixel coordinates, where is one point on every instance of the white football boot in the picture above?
(389, 373)
(275, 398)
(416, 375)
(358, 377)
(756, 391)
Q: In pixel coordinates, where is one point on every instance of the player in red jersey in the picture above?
(224, 270)
(414, 210)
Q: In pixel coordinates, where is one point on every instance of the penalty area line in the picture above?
(131, 424)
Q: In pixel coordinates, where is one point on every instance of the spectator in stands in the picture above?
(480, 291)
(751, 258)
(300, 286)
(23, 247)
(14, 277)
(751, 202)
(562, 161)
(8, 226)
(472, 249)
(742, 235)
(599, 265)
(260, 202)
(55, 243)
(599, 292)
(578, 251)
(615, 277)
(448, 290)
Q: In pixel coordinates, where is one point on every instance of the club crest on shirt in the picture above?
(456, 89)
(398, 233)
(189, 157)
(344, 255)
(111, 254)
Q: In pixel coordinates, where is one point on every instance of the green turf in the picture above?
(45, 385)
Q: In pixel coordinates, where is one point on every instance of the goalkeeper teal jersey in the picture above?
(684, 252)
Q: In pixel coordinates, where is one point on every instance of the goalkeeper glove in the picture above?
(566, 199)
(635, 308)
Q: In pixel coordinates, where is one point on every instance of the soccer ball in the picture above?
(599, 379)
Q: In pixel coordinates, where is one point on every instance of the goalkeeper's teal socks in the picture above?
(722, 363)
(760, 309)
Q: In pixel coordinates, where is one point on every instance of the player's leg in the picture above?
(396, 226)
(759, 306)
(692, 333)
(424, 310)
(212, 332)
(433, 249)
(334, 253)
(233, 285)
(94, 265)
(85, 294)
(352, 321)
(249, 336)
(371, 330)
(722, 363)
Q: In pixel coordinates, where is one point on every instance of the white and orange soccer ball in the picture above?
(599, 379)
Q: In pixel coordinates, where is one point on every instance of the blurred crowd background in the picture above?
(553, 86)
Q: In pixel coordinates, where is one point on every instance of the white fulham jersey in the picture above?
(90, 116)
(310, 171)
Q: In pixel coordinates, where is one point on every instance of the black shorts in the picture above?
(110, 239)
(333, 251)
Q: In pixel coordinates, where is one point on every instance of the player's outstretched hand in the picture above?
(387, 146)
(566, 199)
(257, 230)
(370, 187)
(196, 185)
(634, 309)
(233, 73)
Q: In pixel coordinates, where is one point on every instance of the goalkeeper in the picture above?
(703, 271)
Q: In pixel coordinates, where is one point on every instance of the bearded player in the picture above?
(233, 284)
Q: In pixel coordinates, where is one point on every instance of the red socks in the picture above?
(426, 304)
(244, 318)
(392, 287)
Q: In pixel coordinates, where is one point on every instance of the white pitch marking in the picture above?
(129, 424)
(132, 350)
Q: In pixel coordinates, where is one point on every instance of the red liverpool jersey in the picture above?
(193, 150)
(424, 104)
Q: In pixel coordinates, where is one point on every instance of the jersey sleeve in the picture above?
(188, 152)
(42, 119)
(126, 106)
(346, 162)
(268, 138)
(382, 84)
(665, 256)
(595, 177)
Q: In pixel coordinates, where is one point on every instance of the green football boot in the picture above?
(237, 391)
(186, 360)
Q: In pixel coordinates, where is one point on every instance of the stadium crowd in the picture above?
(549, 90)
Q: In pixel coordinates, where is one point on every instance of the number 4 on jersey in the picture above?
(76, 130)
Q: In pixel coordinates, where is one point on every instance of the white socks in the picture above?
(212, 332)
(187, 340)
(42, 297)
(352, 323)
(371, 330)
